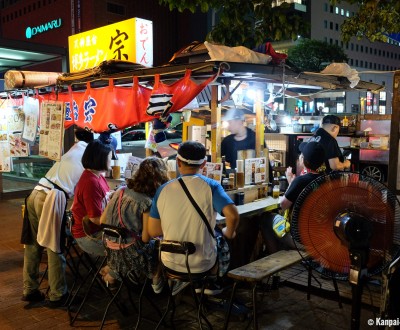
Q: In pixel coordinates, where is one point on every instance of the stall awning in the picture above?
(20, 55)
(255, 73)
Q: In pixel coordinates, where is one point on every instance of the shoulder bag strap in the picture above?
(196, 206)
(119, 208)
(121, 222)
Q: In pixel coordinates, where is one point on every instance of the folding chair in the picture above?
(130, 280)
(199, 279)
(93, 268)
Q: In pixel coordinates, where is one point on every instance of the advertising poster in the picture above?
(31, 110)
(51, 129)
(255, 170)
(213, 171)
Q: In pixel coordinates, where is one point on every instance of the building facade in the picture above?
(375, 61)
(50, 22)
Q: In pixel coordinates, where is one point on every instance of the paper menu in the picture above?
(132, 165)
(213, 171)
(18, 147)
(5, 156)
(31, 109)
(255, 170)
(51, 129)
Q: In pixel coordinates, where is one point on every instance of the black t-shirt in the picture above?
(230, 147)
(330, 145)
(298, 184)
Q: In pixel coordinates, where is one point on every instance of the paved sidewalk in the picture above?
(286, 308)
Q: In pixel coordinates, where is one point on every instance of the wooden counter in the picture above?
(259, 206)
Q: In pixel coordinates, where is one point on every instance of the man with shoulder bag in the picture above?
(185, 209)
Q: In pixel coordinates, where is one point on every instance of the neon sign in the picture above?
(32, 31)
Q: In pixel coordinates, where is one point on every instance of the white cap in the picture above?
(233, 114)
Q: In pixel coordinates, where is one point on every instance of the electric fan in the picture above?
(349, 225)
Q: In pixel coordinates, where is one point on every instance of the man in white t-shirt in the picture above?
(62, 177)
(173, 216)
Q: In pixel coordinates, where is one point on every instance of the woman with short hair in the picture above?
(91, 198)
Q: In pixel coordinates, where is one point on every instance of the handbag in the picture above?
(223, 251)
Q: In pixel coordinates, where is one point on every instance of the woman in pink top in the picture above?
(91, 197)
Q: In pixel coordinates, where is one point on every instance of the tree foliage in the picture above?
(246, 22)
(314, 55)
(374, 20)
(252, 22)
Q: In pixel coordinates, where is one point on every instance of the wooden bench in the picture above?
(258, 270)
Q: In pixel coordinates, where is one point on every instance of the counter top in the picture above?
(259, 206)
(369, 148)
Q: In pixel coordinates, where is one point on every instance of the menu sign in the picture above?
(16, 118)
(132, 166)
(31, 110)
(18, 147)
(5, 155)
(255, 170)
(213, 171)
(51, 129)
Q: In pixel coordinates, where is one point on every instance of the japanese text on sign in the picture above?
(129, 40)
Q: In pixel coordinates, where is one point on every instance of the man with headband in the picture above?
(173, 216)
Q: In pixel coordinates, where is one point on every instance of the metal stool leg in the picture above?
(109, 304)
(87, 292)
(228, 313)
(255, 319)
(170, 299)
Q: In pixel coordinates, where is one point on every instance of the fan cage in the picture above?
(318, 205)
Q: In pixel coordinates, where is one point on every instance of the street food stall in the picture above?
(114, 89)
(102, 99)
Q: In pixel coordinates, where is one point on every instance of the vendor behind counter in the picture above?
(241, 138)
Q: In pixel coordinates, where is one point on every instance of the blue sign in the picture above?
(34, 30)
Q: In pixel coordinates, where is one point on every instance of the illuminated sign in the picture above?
(34, 30)
(130, 40)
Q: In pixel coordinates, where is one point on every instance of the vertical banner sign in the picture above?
(144, 42)
(130, 40)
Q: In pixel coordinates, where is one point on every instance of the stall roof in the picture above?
(255, 73)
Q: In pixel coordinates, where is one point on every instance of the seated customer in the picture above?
(129, 208)
(91, 197)
(312, 159)
(173, 215)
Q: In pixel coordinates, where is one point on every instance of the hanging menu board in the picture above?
(51, 129)
(16, 118)
(255, 170)
(31, 110)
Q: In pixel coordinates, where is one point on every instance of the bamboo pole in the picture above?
(215, 124)
(29, 79)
